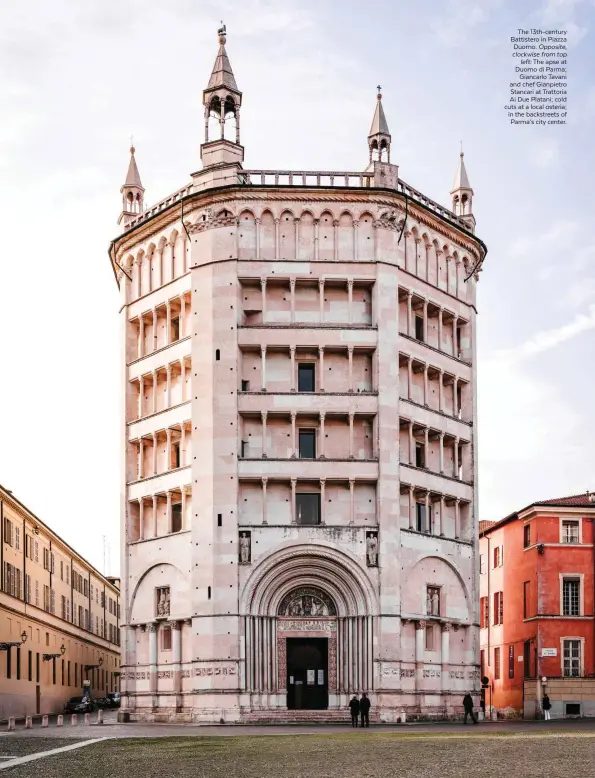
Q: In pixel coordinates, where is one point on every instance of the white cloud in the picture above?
(544, 152)
(563, 13)
(558, 236)
(460, 20)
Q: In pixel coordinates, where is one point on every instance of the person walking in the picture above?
(546, 705)
(354, 708)
(364, 709)
(468, 706)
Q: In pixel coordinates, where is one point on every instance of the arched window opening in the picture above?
(230, 125)
(374, 152)
(214, 124)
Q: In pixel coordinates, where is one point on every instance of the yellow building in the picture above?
(60, 614)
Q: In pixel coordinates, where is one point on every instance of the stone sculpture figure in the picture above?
(163, 602)
(245, 548)
(372, 549)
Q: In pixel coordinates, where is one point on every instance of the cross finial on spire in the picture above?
(221, 32)
(132, 149)
(379, 88)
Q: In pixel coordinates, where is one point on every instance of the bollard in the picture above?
(86, 719)
(11, 724)
(74, 720)
(28, 722)
(403, 717)
(60, 720)
(100, 717)
(44, 721)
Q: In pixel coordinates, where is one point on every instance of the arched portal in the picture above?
(308, 628)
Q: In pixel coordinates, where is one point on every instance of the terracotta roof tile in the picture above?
(483, 525)
(587, 500)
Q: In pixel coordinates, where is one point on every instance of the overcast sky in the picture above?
(79, 76)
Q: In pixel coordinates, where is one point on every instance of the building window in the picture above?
(570, 532)
(571, 658)
(482, 564)
(526, 594)
(18, 663)
(307, 444)
(526, 536)
(37, 673)
(420, 455)
(30, 666)
(484, 612)
(176, 517)
(497, 664)
(37, 594)
(17, 538)
(307, 508)
(433, 601)
(422, 522)
(482, 663)
(175, 456)
(245, 386)
(511, 661)
(527, 659)
(166, 638)
(430, 637)
(419, 328)
(498, 608)
(571, 592)
(498, 556)
(306, 377)
(175, 329)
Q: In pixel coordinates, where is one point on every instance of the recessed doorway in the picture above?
(307, 673)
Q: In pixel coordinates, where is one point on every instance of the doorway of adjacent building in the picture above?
(307, 673)
(38, 699)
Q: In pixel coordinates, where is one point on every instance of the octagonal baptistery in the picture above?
(299, 512)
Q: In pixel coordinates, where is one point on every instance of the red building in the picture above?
(536, 609)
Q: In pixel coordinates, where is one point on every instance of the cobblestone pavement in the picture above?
(556, 751)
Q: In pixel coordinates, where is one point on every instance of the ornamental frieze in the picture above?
(305, 625)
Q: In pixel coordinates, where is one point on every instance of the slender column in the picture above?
(351, 418)
(292, 366)
(293, 439)
(411, 444)
(292, 299)
(152, 630)
(264, 500)
(410, 314)
(168, 510)
(440, 529)
(322, 493)
(426, 388)
(154, 329)
(336, 239)
(168, 322)
(457, 518)
(442, 452)
(321, 299)
(257, 221)
(455, 458)
(350, 300)
(411, 509)
(455, 386)
(263, 292)
(182, 316)
(172, 260)
(440, 326)
(141, 519)
(168, 386)
(154, 452)
(277, 252)
(321, 369)
(445, 658)
(139, 278)
(141, 336)
(154, 397)
(293, 511)
(427, 448)
(154, 515)
(316, 239)
(441, 390)
(409, 377)
(351, 500)
(425, 321)
(176, 644)
(455, 350)
(296, 225)
(264, 434)
(182, 444)
(320, 451)
(350, 357)
(355, 247)
(263, 370)
(140, 458)
(420, 634)
(428, 527)
(457, 275)
(274, 657)
(183, 379)
(168, 451)
(183, 508)
(258, 657)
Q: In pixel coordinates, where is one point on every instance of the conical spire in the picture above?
(133, 176)
(379, 123)
(222, 74)
(461, 178)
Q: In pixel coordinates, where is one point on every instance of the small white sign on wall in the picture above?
(520, 658)
(549, 652)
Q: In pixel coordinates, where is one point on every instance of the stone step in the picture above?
(284, 716)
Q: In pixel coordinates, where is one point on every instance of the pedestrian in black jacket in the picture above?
(364, 709)
(354, 708)
(468, 706)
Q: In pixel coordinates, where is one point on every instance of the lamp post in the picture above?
(94, 667)
(8, 646)
(49, 657)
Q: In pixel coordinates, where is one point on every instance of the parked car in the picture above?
(80, 705)
(112, 700)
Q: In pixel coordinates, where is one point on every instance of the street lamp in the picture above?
(49, 657)
(8, 646)
(94, 667)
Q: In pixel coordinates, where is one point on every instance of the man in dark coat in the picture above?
(546, 705)
(354, 708)
(364, 709)
(468, 706)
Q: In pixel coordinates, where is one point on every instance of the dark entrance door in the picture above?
(307, 673)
